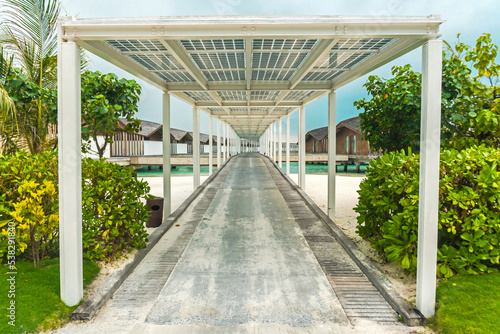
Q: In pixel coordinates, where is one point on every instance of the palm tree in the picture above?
(7, 106)
(30, 31)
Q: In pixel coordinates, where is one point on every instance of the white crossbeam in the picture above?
(319, 50)
(185, 61)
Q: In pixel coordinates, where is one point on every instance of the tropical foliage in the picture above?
(113, 210)
(106, 98)
(23, 180)
(469, 215)
(7, 107)
(390, 120)
(29, 31)
(36, 217)
(112, 207)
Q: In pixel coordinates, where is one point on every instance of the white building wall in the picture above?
(182, 148)
(153, 147)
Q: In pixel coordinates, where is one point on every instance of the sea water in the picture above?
(294, 169)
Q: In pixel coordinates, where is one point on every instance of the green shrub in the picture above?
(469, 211)
(36, 217)
(33, 212)
(113, 214)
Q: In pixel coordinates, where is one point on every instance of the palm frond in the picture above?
(31, 30)
(6, 65)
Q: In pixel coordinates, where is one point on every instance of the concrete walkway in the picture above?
(237, 263)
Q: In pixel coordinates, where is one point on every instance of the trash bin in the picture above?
(155, 206)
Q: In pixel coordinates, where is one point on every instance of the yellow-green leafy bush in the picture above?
(28, 197)
(112, 207)
(36, 217)
(469, 209)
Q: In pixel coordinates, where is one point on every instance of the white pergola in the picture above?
(249, 73)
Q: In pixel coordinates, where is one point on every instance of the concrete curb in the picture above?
(103, 293)
(411, 315)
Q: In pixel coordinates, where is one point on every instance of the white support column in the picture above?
(224, 152)
(269, 139)
(332, 163)
(288, 144)
(268, 142)
(430, 136)
(230, 142)
(226, 142)
(196, 147)
(167, 192)
(269, 152)
(210, 146)
(280, 144)
(265, 143)
(219, 139)
(302, 147)
(70, 173)
(275, 139)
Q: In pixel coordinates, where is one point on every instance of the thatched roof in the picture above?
(321, 133)
(204, 138)
(178, 135)
(352, 123)
(147, 128)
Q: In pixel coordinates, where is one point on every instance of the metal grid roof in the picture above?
(250, 71)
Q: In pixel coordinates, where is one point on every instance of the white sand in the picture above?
(181, 187)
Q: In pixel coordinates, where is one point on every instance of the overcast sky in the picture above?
(470, 18)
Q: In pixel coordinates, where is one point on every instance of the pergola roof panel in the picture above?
(272, 75)
(282, 60)
(206, 61)
(213, 44)
(297, 95)
(264, 95)
(250, 69)
(225, 75)
(362, 44)
(283, 44)
(155, 62)
(137, 45)
(233, 95)
(200, 96)
(179, 76)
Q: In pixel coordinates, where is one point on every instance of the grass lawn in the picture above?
(469, 304)
(37, 301)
